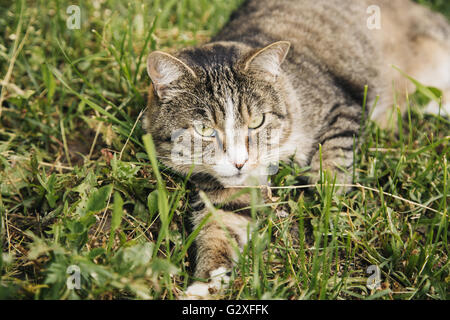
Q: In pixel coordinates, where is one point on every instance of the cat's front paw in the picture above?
(200, 291)
(208, 290)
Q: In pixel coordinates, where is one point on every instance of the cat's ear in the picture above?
(164, 69)
(268, 59)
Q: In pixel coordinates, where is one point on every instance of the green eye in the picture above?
(204, 131)
(256, 121)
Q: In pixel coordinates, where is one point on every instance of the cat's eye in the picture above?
(256, 121)
(204, 131)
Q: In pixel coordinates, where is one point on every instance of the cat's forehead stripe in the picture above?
(229, 116)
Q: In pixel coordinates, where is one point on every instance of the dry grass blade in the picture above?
(345, 186)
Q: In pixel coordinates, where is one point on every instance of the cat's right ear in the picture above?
(269, 59)
(164, 69)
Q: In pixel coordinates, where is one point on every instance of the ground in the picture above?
(81, 194)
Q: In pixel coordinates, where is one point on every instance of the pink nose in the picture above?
(239, 165)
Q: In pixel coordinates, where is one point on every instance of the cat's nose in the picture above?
(240, 165)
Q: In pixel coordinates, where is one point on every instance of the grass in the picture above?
(80, 187)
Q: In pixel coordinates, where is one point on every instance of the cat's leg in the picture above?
(435, 72)
(423, 55)
(442, 108)
(216, 246)
(342, 126)
(430, 66)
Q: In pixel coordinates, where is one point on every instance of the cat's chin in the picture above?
(256, 176)
(237, 180)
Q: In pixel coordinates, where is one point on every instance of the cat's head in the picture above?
(220, 109)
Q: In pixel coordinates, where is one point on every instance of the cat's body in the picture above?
(249, 85)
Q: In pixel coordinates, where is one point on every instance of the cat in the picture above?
(280, 79)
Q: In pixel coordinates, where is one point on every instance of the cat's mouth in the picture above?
(239, 175)
(237, 179)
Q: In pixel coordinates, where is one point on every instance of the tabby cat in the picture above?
(280, 79)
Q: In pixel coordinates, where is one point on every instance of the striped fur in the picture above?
(303, 64)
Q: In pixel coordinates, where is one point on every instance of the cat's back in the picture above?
(328, 34)
(322, 25)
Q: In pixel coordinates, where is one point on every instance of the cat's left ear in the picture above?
(269, 59)
(164, 70)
